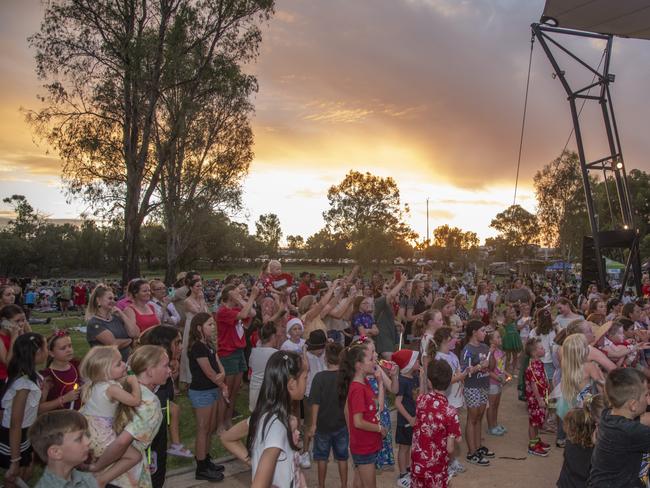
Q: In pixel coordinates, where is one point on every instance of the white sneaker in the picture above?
(457, 466)
(404, 481)
(305, 462)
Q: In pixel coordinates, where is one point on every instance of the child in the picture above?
(497, 380)
(59, 438)
(545, 332)
(314, 354)
(523, 322)
(169, 338)
(328, 421)
(474, 361)
(62, 381)
(386, 457)
(446, 342)
(299, 481)
(101, 394)
(537, 391)
(363, 410)
(622, 439)
(427, 326)
(295, 342)
(511, 339)
(363, 323)
(20, 404)
(270, 447)
(409, 366)
(580, 425)
(207, 378)
(436, 431)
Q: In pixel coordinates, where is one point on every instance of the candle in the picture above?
(75, 387)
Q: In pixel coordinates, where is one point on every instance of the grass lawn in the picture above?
(187, 423)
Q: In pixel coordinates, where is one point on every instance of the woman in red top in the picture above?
(140, 310)
(232, 317)
(80, 296)
(362, 410)
(14, 323)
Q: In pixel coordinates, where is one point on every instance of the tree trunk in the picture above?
(172, 255)
(131, 243)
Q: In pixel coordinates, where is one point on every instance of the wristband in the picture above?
(15, 460)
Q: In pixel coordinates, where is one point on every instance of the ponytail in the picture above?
(349, 358)
(441, 335)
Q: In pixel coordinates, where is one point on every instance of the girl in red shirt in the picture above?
(232, 317)
(362, 410)
(62, 381)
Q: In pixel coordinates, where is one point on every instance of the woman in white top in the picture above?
(566, 313)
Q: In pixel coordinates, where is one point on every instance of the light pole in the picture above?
(428, 243)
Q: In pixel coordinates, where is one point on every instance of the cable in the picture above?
(523, 120)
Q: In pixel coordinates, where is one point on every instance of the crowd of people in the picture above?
(324, 359)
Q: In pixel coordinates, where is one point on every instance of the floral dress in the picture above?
(435, 422)
(535, 375)
(385, 457)
(143, 427)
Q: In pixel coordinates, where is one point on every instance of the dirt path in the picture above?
(532, 472)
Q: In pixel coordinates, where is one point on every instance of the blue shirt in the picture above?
(406, 387)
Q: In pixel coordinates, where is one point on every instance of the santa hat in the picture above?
(294, 322)
(405, 359)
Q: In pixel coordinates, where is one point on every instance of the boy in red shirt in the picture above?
(436, 430)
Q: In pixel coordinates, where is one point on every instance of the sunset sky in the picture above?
(429, 92)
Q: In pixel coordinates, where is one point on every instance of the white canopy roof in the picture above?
(625, 18)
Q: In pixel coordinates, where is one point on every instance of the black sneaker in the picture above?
(485, 452)
(477, 459)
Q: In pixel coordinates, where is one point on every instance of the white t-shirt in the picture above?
(547, 342)
(316, 365)
(524, 332)
(563, 322)
(424, 344)
(482, 302)
(31, 405)
(289, 345)
(275, 435)
(454, 393)
(257, 362)
(98, 403)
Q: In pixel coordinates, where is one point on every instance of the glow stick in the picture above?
(400, 341)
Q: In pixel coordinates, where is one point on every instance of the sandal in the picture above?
(179, 450)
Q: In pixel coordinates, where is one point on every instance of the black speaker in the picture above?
(589, 267)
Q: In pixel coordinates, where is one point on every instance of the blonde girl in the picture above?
(580, 377)
(102, 371)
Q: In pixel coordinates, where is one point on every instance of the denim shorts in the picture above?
(203, 398)
(336, 441)
(361, 459)
(234, 363)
